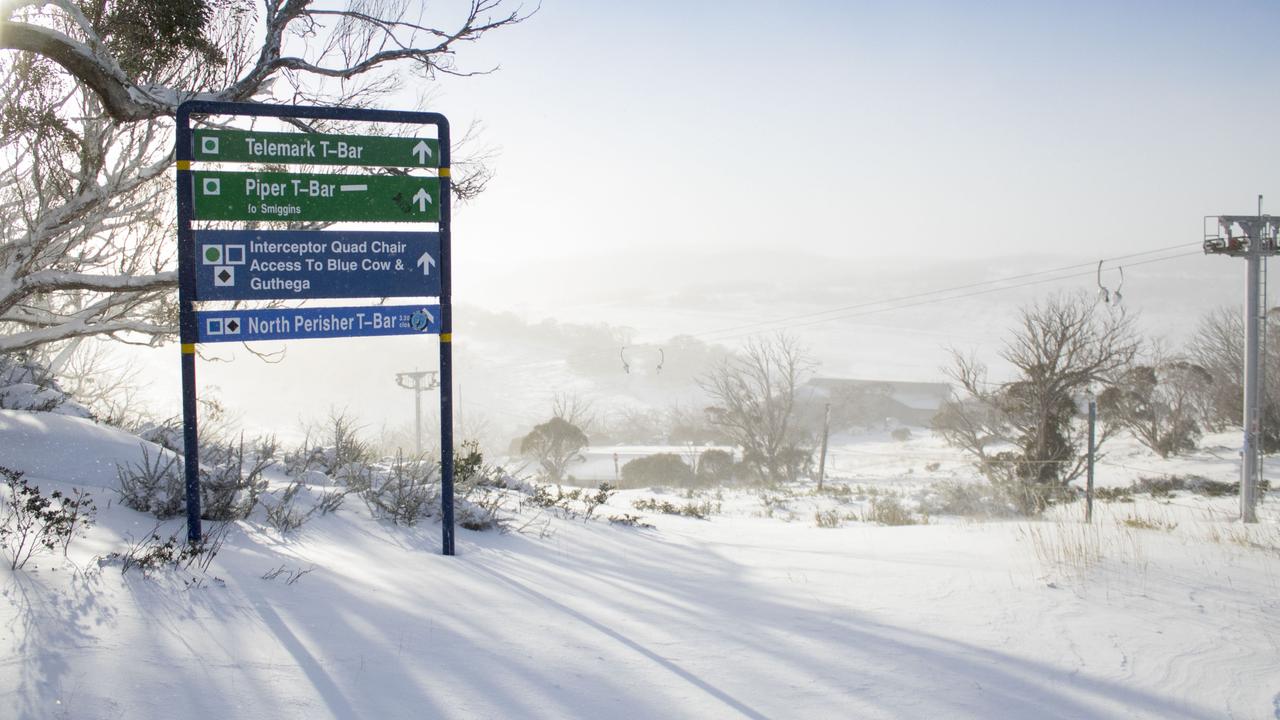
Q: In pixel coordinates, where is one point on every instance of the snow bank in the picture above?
(1162, 609)
(67, 449)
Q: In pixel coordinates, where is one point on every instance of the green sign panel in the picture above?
(309, 196)
(314, 149)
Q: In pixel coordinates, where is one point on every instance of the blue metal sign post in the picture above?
(250, 265)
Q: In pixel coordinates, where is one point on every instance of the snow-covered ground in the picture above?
(1164, 608)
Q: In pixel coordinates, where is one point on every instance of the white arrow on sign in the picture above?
(422, 150)
(426, 261)
(422, 198)
(430, 317)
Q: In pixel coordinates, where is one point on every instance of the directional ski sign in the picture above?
(304, 323)
(309, 197)
(309, 264)
(315, 149)
(237, 185)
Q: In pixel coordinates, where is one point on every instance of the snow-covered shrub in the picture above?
(1161, 486)
(341, 448)
(901, 434)
(331, 500)
(828, 518)
(700, 511)
(167, 434)
(229, 488)
(477, 515)
(283, 515)
(154, 553)
(629, 520)
(26, 385)
(660, 469)
(715, 467)
(1114, 494)
(888, 510)
(155, 485)
(34, 522)
(482, 489)
(404, 493)
(950, 497)
(1218, 488)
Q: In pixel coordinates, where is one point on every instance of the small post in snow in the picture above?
(1088, 488)
(822, 459)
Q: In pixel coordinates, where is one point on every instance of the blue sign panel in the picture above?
(307, 264)
(304, 323)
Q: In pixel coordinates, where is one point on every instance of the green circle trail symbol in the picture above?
(212, 254)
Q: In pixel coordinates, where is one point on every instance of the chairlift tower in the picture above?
(1252, 237)
(418, 381)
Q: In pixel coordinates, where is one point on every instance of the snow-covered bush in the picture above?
(700, 511)
(888, 509)
(403, 493)
(231, 481)
(331, 448)
(155, 485)
(167, 434)
(830, 518)
(34, 522)
(660, 469)
(153, 553)
(950, 497)
(26, 385)
(477, 515)
(715, 467)
(482, 489)
(283, 515)
(229, 488)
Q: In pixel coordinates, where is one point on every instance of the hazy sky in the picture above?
(684, 167)
(882, 129)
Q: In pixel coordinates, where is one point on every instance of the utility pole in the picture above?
(1252, 237)
(1093, 448)
(822, 459)
(418, 381)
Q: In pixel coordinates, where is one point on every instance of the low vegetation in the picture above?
(34, 522)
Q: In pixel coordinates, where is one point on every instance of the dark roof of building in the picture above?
(920, 395)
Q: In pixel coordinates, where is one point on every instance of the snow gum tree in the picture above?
(1217, 348)
(86, 131)
(1157, 403)
(1027, 434)
(755, 405)
(555, 444)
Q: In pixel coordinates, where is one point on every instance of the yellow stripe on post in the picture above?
(188, 348)
(184, 164)
(446, 337)
(444, 172)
